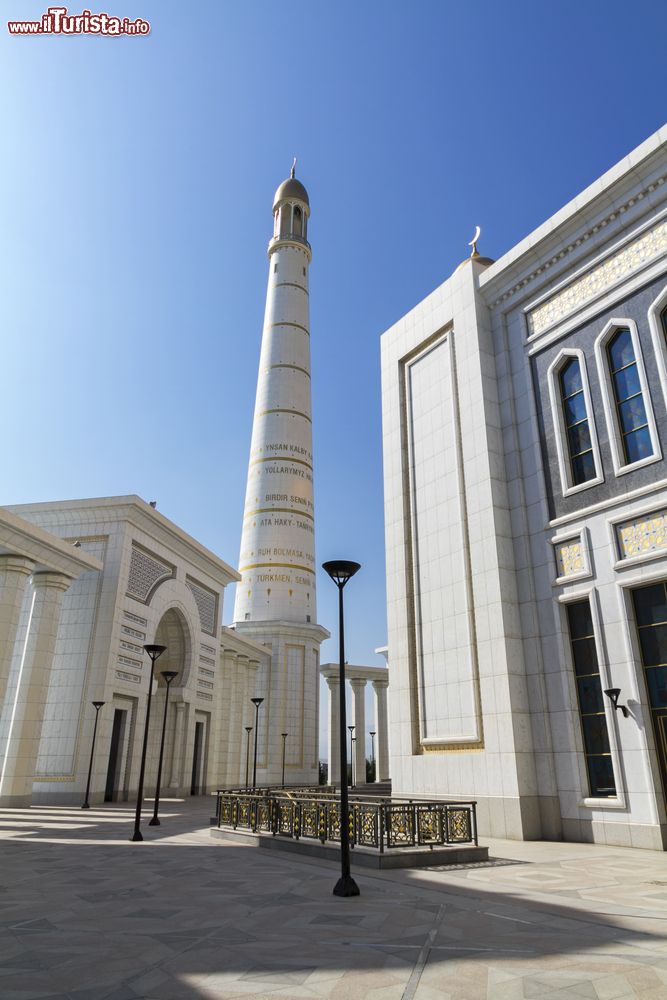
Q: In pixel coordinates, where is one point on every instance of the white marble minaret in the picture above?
(276, 600)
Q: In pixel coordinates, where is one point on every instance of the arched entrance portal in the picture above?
(179, 752)
(172, 633)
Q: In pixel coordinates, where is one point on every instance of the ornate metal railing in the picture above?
(377, 823)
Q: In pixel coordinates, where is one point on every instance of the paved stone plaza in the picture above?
(86, 914)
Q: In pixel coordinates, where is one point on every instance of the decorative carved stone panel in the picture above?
(570, 558)
(642, 535)
(145, 572)
(207, 605)
(630, 258)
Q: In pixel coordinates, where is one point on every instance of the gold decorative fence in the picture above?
(376, 823)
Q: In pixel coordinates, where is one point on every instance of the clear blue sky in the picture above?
(135, 209)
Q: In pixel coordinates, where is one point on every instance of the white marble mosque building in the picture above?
(525, 430)
(525, 423)
(83, 585)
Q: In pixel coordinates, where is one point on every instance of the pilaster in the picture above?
(382, 726)
(176, 778)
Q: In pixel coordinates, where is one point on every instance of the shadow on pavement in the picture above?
(85, 914)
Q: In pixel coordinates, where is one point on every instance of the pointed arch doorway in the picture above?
(173, 632)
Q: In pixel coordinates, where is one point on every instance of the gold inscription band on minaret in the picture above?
(304, 569)
(290, 284)
(278, 510)
(288, 323)
(294, 368)
(295, 413)
(282, 458)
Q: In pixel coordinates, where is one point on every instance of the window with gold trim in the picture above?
(651, 617)
(595, 732)
(629, 398)
(575, 419)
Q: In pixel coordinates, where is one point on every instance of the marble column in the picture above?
(14, 573)
(333, 684)
(176, 777)
(25, 728)
(236, 717)
(224, 694)
(358, 686)
(382, 727)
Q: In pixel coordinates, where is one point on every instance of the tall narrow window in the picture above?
(590, 699)
(297, 221)
(651, 616)
(579, 444)
(630, 407)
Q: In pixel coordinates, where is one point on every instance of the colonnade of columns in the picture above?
(238, 685)
(358, 678)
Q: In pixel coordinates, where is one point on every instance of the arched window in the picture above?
(575, 420)
(297, 221)
(575, 436)
(630, 407)
(633, 435)
(657, 321)
(285, 220)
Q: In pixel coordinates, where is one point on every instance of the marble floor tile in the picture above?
(87, 915)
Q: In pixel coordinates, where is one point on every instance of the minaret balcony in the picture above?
(289, 239)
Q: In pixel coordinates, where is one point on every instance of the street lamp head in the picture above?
(248, 729)
(284, 735)
(169, 675)
(257, 701)
(97, 705)
(154, 651)
(341, 570)
(372, 734)
(351, 728)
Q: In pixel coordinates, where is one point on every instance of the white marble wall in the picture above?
(528, 770)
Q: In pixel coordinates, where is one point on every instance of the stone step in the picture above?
(372, 788)
(363, 857)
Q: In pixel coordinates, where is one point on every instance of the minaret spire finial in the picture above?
(473, 242)
(291, 173)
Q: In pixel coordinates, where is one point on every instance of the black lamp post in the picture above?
(154, 652)
(97, 706)
(248, 730)
(284, 736)
(168, 677)
(372, 736)
(351, 728)
(256, 702)
(354, 761)
(340, 572)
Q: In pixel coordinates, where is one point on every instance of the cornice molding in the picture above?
(574, 244)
